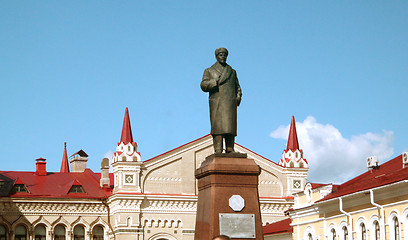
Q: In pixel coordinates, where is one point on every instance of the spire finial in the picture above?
(126, 129)
(293, 143)
(64, 164)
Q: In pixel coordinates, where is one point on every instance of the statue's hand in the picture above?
(238, 101)
(218, 80)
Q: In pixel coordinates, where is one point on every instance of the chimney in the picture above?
(41, 169)
(78, 161)
(105, 181)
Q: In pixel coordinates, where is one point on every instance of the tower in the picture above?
(126, 161)
(292, 156)
(293, 161)
(64, 164)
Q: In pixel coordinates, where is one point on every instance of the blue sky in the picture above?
(69, 69)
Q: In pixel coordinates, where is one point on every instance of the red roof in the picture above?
(126, 129)
(282, 226)
(387, 173)
(316, 185)
(293, 143)
(64, 164)
(53, 185)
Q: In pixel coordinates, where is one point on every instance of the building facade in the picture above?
(154, 199)
(371, 206)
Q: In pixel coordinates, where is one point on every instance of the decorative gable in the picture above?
(76, 188)
(19, 187)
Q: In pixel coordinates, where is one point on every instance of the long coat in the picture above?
(225, 95)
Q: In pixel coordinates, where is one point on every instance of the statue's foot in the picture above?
(230, 151)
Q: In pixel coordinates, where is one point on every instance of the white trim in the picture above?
(391, 216)
(374, 218)
(309, 229)
(332, 226)
(359, 221)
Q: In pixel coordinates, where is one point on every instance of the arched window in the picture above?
(363, 232)
(21, 233)
(376, 230)
(3, 233)
(292, 164)
(396, 228)
(345, 233)
(309, 236)
(79, 233)
(301, 165)
(59, 232)
(97, 233)
(333, 234)
(39, 232)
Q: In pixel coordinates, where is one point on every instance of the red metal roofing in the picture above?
(53, 185)
(126, 136)
(316, 185)
(282, 226)
(387, 173)
(18, 181)
(64, 164)
(293, 143)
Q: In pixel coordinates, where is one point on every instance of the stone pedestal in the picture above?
(220, 177)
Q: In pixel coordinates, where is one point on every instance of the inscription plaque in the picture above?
(237, 225)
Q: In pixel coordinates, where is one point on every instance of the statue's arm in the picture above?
(208, 83)
(239, 92)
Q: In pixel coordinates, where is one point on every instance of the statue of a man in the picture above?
(221, 81)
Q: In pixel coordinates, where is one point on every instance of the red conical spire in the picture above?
(293, 143)
(64, 164)
(126, 129)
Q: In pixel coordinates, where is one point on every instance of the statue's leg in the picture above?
(229, 141)
(217, 142)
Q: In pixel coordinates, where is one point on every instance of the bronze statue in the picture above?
(221, 81)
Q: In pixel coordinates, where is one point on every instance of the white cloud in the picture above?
(333, 158)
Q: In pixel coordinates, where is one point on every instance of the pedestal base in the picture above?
(219, 178)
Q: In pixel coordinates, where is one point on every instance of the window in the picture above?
(309, 236)
(20, 233)
(333, 234)
(59, 232)
(19, 188)
(76, 189)
(363, 232)
(97, 233)
(39, 232)
(345, 233)
(79, 233)
(396, 228)
(3, 233)
(377, 230)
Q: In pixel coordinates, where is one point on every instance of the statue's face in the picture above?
(222, 57)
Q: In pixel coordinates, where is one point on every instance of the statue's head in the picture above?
(221, 55)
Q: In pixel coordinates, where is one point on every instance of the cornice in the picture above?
(52, 208)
